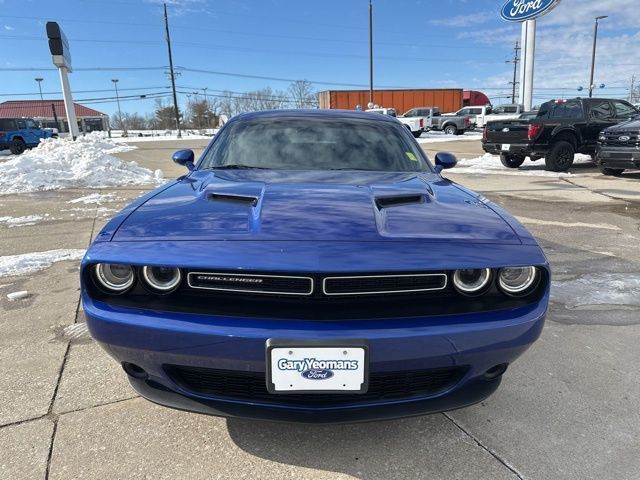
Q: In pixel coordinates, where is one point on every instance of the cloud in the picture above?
(182, 7)
(9, 27)
(467, 20)
(563, 48)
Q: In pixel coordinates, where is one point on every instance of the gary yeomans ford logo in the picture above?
(313, 369)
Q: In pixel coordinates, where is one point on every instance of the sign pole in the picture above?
(68, 103)
(529, 64)
(523, 62)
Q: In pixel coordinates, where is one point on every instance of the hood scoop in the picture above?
(399, 200)
(246, 200)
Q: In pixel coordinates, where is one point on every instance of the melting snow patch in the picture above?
(97, 198)
(21, 221)
(490, 164)
(437, 137)
(11, 265)
(63, 163)
(598, 289)
(17, 295)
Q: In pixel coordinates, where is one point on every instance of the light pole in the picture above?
(124, 128)
(370, 52)
(593, 53)
(39, 80)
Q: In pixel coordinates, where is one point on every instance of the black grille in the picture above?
(317, 306)
(359, 285)
(252, 386)
(266, 284)
(612, 138)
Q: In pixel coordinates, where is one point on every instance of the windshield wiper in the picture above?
(236, 167)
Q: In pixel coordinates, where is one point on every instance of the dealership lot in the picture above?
(570, 408)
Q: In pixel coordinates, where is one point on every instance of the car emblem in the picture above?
(624, 138)
(505, 130)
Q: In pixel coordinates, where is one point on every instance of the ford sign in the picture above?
(317, 374)
(521, 10)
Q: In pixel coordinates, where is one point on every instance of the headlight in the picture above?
(517, 280)
(162, 279)
(602, 138)
(113, 277)
(471, 281)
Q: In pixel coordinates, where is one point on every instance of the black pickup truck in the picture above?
(561, 129)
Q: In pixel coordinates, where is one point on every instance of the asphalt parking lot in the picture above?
(568, 409)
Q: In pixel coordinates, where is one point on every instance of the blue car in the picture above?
(314, 266)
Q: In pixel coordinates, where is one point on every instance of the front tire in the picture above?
(560, 157)
(450, 129)
(417, 134)
(615, 172)
(17, 146)
(510, 161)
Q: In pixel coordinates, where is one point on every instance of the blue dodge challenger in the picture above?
(314, 266)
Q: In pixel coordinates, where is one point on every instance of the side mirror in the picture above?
(184, 158)
(445, 160)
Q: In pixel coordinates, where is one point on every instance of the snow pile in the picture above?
(63, 163)
(21, 221)
(598, 289)
(490, 164)
(11, 265)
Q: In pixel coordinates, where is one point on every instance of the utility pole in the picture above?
(39, 80)
(370, 52)
(593, 53)
(173, 75)
(633, 86)
(515, 61)
(122, 125)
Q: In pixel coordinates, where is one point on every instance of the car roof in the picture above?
(315, 113)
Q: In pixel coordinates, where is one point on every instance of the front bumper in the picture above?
(627, 157)
(153, 340)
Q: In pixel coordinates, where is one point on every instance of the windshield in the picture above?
(315, 144)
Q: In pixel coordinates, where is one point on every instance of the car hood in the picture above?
(312, 205)
(629, 125)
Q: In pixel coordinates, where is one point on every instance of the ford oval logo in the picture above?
(624, 138)
(317, 374)
(520, 10)
(505, 130)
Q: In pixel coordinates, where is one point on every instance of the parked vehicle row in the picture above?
(414, 124)
(434, 120)
(19, 134)
(480, 115)
(560, 129)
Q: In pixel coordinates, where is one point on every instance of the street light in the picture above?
(124, 128)
(39, 86)
(593, 53)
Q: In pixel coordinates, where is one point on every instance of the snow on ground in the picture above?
(598, 289)
(156, 136)
(62, 163)
(22, 264)
(490, 164)
(437, 137)
(21, 221)
(97, 198)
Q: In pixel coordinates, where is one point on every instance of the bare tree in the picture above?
(303, 94)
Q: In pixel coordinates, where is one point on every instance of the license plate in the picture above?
(327, 367)
(506, 147)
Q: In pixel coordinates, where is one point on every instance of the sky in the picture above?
(223, 44)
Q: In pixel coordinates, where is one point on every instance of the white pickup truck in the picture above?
(481, 115)
(414, 124)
